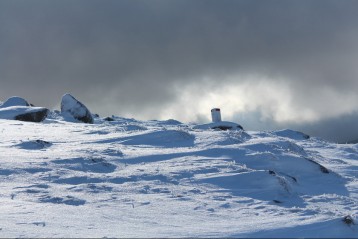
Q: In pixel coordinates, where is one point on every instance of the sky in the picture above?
(267, 64)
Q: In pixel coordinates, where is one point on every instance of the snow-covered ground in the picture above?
(129, 178)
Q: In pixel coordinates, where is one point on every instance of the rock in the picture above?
(36, 116)
(348, 220)
(108, 119)
(225, 127)
(321, 167)
(24, 113)
(291, 134)
(272, 172)
(34, 144)
(14, 101)
(70, 105)
(222, 125)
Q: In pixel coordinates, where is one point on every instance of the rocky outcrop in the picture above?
(292, 134)
(221, 125)
(24, 113)
(33, 116)
(74, 108)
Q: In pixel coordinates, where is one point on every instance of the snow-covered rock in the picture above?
(287, 133)
(70, 106)
(222, 125)
(108, 119)
(14, 101)
(24, 113)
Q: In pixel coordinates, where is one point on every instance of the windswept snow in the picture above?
(129, 178)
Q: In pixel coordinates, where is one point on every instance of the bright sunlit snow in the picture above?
(129, 178)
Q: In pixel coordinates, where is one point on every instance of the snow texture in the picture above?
(14, 101)
(130, 178)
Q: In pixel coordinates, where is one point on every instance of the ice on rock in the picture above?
(72, 107)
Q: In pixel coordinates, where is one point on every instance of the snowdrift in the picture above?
(130, 178)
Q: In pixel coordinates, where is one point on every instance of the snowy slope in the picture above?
(129, 178)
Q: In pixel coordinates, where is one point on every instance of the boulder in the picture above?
(24, 113)
(14, 101)
(348, 220)
(71, 106)
(108, 119)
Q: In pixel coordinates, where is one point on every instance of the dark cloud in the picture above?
(130, 56)
(340, 129)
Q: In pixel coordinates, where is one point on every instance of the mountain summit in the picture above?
(130, 178)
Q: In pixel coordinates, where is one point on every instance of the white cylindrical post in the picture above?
(216, 115)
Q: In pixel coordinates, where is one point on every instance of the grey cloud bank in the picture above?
(130, 57)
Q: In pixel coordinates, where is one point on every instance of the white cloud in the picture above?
(275, 99)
